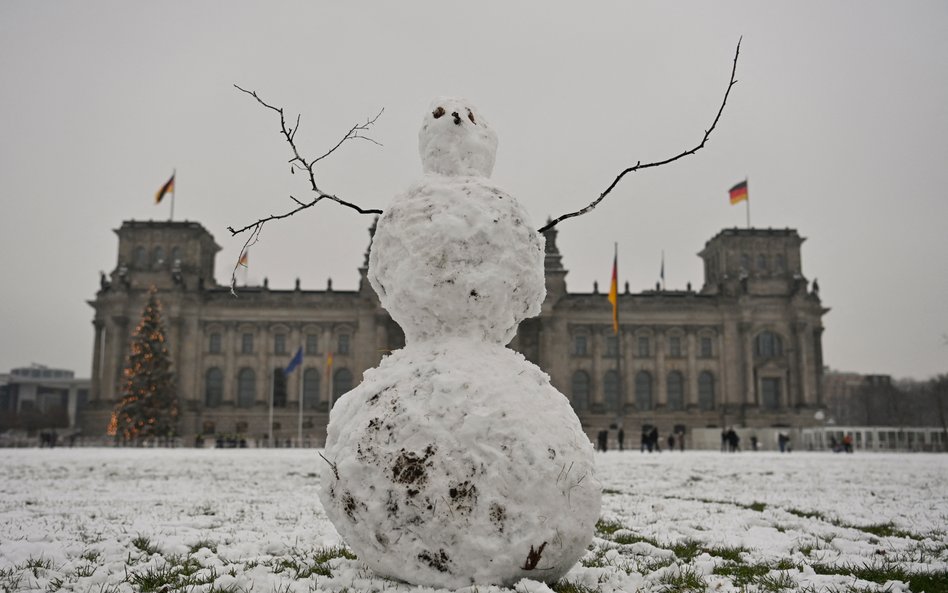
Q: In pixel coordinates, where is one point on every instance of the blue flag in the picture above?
(297, 361)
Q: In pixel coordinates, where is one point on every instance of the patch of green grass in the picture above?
(808, 514)
(144, 545)
(882, 572)
(786, 564)
(35, 565)
(154, 578)
(323, 555)
(935, 582)
(597, 561)
(85, 570)
(229, 589)
(776, 582)
(683, 581)
(732, 554)
(564, 586)
(204, 543)
(742, 574)
(610, 491)
(10, 579)
(632, 538)
(756, 506)
(687, 550)
(653, 564)
(608, 527)
(885, 530)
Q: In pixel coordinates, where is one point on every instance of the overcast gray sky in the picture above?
(840, 120)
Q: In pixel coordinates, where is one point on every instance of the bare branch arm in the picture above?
(356, 132)
(299, 162)
(639, 165)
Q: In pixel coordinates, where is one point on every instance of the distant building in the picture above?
(38, 397)
(744, 350)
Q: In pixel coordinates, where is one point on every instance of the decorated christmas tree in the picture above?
(149, 404)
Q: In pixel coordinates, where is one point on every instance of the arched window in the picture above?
(341, 383)
(643, 390)
(706, 390)
(610, 388)
(310, 388)
(139, 258)
(175, 255)
(675, 390)
(580, 391)
(213, 387)
(768, 345)
(246, 387)
(158, 256)
(279, 388)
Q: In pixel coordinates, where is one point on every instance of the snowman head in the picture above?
(456, 140)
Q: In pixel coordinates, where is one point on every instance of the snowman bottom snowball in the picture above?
(457, 463)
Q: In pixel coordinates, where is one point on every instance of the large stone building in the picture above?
(743, 350)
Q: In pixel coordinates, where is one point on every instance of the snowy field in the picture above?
(115, 520)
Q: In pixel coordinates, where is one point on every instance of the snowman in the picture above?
(456, 462)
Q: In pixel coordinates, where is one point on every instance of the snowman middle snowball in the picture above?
(456, 461)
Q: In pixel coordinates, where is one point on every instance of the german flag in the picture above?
(167, 188)
(614, 292)
(739, 192)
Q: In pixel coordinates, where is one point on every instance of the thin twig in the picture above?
(335, 469)
(639, 164)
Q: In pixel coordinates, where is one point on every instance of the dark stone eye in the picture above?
(438, 112)
(470, 116)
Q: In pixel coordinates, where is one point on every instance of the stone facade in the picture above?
(744, 350)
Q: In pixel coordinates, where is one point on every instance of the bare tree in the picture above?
(358, 132)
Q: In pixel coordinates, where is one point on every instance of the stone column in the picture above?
(593, 339)
(328, 346)
(230, 345)
(98, 349)
(803, 363)
(660, 397)
(691, 389)
(747, 339)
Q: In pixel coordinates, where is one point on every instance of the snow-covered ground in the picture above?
(110, 520)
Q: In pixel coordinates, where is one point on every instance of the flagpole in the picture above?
(663, 269)
(748, 201)
(270, 428)
(174, 191)
(619, 391)
(300, 425)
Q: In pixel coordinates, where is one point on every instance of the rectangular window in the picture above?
(579, 346)
(312, 344)
(674, 346)
(246, 343)
(612, 346)
(644, 350)
(214, 343)
(343, 347)
(279, 343)
(706, 350)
